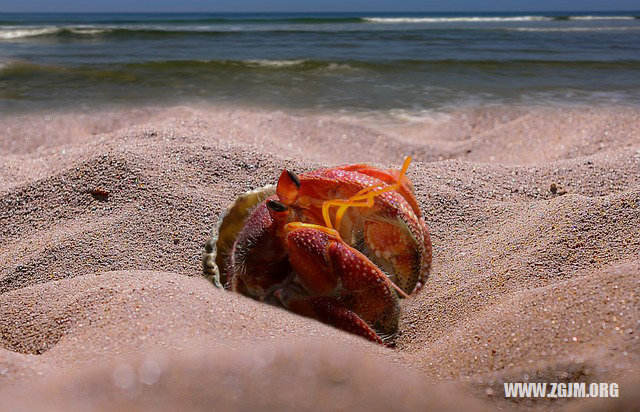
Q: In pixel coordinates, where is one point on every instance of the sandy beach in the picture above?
(535, 223)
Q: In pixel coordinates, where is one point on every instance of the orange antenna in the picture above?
(364, 198)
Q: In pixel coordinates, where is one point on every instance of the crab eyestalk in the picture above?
(364, 198)
(288, 188)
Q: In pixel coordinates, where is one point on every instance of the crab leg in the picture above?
(341, 286)
(330, 311)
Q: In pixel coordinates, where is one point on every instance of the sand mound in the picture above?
(274, 376)
(534, 220)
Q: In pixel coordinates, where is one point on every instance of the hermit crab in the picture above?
(339, 244)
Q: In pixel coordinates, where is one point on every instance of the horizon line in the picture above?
(325, 12)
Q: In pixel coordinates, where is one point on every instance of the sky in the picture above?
(311, 5)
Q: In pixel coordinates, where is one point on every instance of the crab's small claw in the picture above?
(341, 286)
(258, 259)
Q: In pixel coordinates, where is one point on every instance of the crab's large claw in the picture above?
(401, 247)
(339, 285)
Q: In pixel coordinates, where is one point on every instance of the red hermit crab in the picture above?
(339, 245)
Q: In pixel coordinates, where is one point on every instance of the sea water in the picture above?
(349, 62)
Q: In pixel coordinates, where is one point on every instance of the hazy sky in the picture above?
(312, 5)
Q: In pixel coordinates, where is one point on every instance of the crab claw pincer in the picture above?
(340, 286)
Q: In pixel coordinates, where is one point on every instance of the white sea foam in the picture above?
(88, 31)
(602, 18)
(453, 19)
(339, 66)
(21, 33)
(15, 32)
(481, 19)
(572, 29)
(276, 63)
(293, 63)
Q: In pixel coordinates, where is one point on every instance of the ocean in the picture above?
(403, 64)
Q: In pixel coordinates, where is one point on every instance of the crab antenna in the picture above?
(367, 194)
(405, 166)
(325, 214)
(343, 204)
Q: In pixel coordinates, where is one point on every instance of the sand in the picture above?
(535, 222)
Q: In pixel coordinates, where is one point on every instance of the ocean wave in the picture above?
(12, 33)
(482, 19)
(571, 29)
(10, 30)
(143, 70)
(86, 31)
(223, 21)
(603, 17)
(275, 63)
(15, 33)
(304, 20)
(148, 30)
(311, 66)
(21, 33)
(186, 23)
(290, 20)
(454, 19)
(299, 65)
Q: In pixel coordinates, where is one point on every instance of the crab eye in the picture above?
(288, 187)
(276, 206)
(294, 178)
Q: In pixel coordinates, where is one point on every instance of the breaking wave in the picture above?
(572, 29)
(13, 31)
(480, 19)
(453, 19)
(16, 33)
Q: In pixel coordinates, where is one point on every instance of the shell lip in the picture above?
(218, 248)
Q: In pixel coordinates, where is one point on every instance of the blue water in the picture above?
(357, 62)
